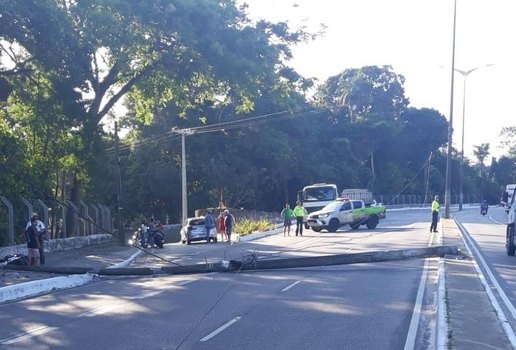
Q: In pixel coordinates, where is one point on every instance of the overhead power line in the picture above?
(220, 127)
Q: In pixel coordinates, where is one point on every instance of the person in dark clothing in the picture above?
(41, 235)
(209, 224)
(32, 243)
(229, 220)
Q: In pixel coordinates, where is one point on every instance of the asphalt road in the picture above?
(362, 306)
(486, 235)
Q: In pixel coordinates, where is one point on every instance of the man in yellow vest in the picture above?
(435, 214)
(299, 213)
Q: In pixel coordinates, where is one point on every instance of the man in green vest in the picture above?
(299, 213)
(287, 214)
(435, 214)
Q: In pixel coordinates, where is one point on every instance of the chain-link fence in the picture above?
(61, 219)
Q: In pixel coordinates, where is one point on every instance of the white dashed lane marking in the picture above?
(291, 286)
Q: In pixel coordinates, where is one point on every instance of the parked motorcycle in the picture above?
(159, 240)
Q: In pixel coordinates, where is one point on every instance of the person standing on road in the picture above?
(299, 213)
(209, 224)
(32, 243)
(151, 232)
(435, 214)
(41, 235)
(228, 222)
(287, 214)
(222, 226)
(143, 234)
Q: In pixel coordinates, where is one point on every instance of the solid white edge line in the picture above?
(410, 341)
(290, 286)
(496, 221)
(441, 334)
(220, 329)
(27, 335)
(416, 313)
(493, 279)
(494, 302)
(442, 325)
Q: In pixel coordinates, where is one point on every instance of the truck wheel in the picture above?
(334, 225)
(372, 222)
(509, 242)
(307, 227)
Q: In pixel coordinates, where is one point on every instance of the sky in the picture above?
(415, 37)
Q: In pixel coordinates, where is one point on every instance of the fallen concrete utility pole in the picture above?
(344, 259)
(250, 262)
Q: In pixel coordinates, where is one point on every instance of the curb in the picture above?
(254, 236)
(34, 288)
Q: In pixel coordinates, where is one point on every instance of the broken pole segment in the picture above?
(345, 259)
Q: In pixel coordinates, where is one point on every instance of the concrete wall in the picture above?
(60, 244)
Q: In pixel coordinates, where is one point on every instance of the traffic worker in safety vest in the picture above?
(299, 213)
(435, 214)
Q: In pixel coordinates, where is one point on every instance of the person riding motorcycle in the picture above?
(484, 207)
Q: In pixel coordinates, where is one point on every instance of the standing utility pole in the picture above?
(121, 232)
(447, 194)
(183, 133)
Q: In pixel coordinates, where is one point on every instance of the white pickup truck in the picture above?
(344, 211)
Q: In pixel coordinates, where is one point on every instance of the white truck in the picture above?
(344, 211)
(316, 196)
(510, 243)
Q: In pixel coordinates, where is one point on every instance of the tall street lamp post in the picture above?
(447, 194)
(461, 178)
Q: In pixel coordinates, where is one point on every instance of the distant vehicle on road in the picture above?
(195, 231)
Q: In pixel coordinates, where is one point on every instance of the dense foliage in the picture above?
(67, 67)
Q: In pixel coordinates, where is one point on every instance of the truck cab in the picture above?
(316, 196)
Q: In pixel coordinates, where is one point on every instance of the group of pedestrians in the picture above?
(288, 214)
(223, 225)
(151, 234)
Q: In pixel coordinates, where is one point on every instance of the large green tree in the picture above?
(82, 58)
(388, 140)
